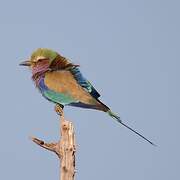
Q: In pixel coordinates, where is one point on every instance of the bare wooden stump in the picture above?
(64, 149)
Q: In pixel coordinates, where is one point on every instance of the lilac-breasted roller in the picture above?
(61, 82)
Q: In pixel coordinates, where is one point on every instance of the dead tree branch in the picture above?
(64, 149)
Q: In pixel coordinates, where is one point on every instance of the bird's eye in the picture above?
(40, 60)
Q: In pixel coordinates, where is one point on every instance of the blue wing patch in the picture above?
(84, 83)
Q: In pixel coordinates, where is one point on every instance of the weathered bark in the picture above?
(65, 148)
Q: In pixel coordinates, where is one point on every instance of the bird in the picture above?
(60, 81)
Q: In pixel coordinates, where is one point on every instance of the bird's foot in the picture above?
(59, 109)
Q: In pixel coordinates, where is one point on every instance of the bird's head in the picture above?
(44, 59)
(40, 57)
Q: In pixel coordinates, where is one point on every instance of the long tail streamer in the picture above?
(113, 115)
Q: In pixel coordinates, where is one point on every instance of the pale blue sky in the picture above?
(129, 50)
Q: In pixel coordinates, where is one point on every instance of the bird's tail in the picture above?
(117, 118)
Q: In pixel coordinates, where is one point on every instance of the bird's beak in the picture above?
(25, 63)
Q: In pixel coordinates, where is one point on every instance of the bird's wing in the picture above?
(62, 86)
(83, 82)
(60, 63)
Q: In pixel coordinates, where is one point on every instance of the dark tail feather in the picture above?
(120, 121)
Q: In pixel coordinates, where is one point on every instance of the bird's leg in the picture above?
(59, 109)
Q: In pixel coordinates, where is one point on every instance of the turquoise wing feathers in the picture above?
(61, 98)
(84, 82)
